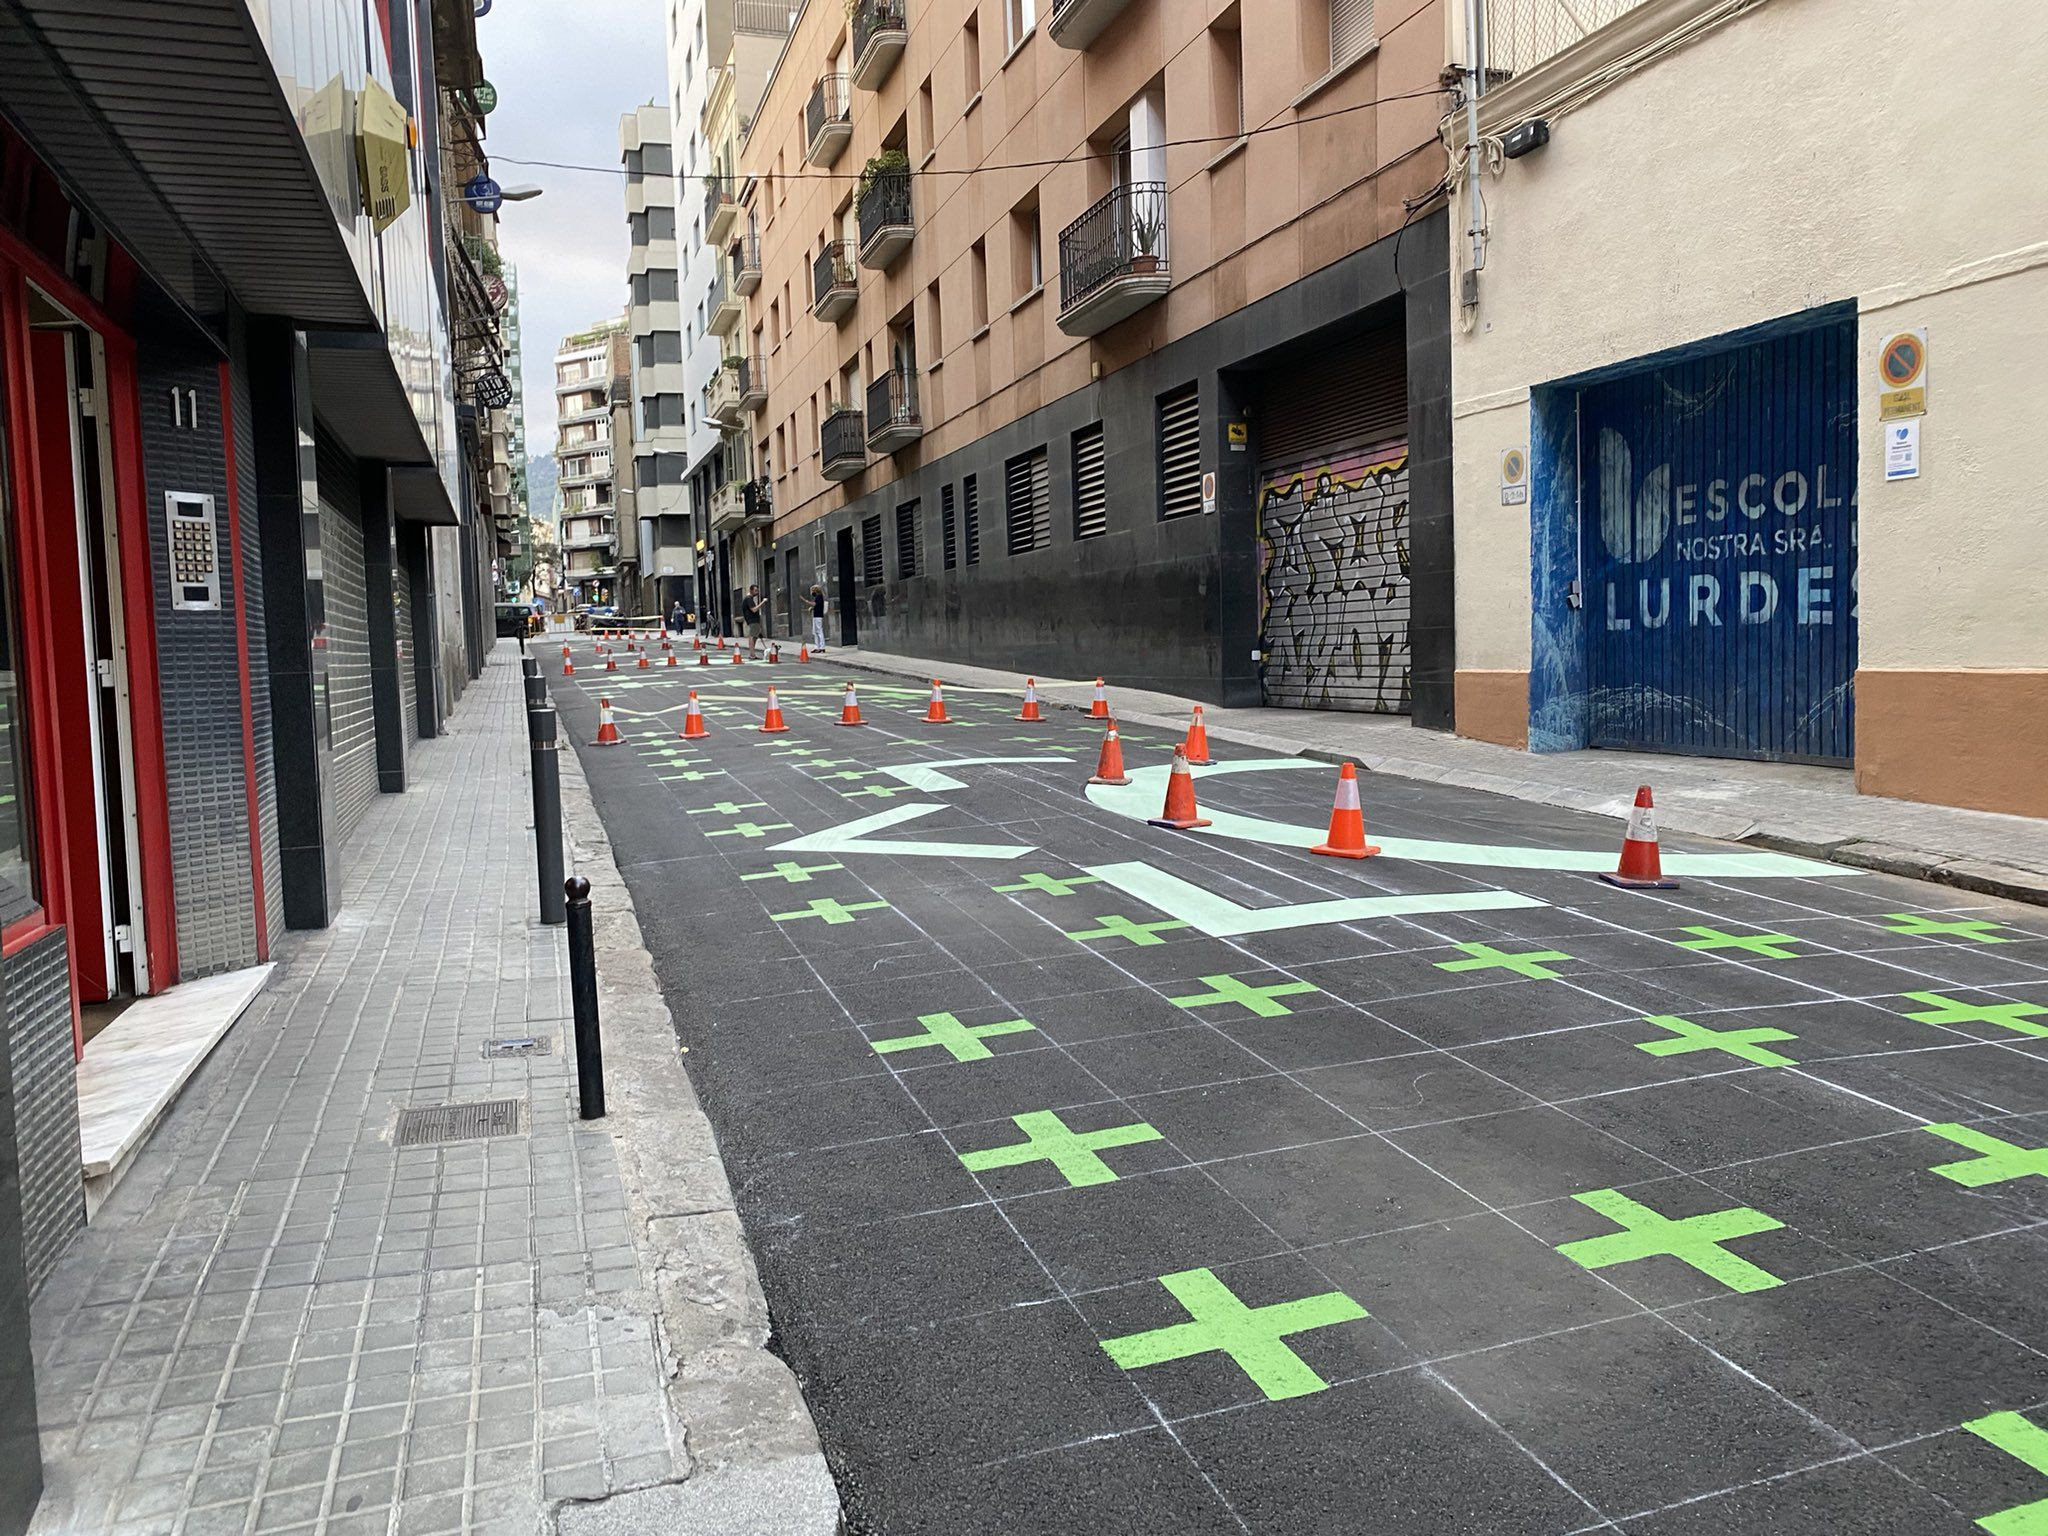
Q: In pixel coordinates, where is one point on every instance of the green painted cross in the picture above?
(1913, 925)
(2017, 1017)
(749, 829)
(1695, 1240)
(1062, 885)
(962, 1040)
(793, 872)
(1768, 946)
(831, 910)
(2025, 1441)
(729, 807)
(880, 791)
(851, 773)
(1254, 1337)
(1484, 957)
(1258, 1000)
(1688, 1036)
(1143, 935)
(1073, 1153)
(794, 752)
(692, 777)
(2002, 1160)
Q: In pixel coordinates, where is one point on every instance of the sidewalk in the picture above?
(286, 1321)
(1796, 808)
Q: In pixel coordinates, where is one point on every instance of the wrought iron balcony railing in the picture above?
(830, 108)
(893, 418)
(833, 282)
(1122, 235)
(884, 208)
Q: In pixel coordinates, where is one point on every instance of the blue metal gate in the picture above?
(1718, 528)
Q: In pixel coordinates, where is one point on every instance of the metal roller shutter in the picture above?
(408, 684)
(1333, 528)
(1180, 453)
(1091, 486)
(1027, 502)
(352, 717)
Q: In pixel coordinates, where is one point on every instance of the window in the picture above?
(970, 519)
(1027, 502)
(1180, 453)
(661, 223)
(934, 326)
(977, 286)
(1027, 256)
(871, 551)
(1091, 489)
(924, 117)
(1350, 31)
(948, 534)
(906, 541)
(970, 54)
(1018, 18)
(1226, 76)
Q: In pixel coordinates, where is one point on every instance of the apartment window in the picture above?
(924, 117)
(636, 228)
(1027, 255)
(775, 319)
(970, 520)
(1226, 75)
(1027, 502)
(871, 550)
(661, 223)
(1091, 487)
(1018, 18)
(977, 286)
(662, 285)
(1349, 33)
(1180, 452)
(781, 459)
(970, 54)
(906, 541)
(949, 539)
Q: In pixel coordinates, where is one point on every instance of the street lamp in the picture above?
(525, 192)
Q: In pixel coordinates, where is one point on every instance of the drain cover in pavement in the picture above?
(519, 1045)
(426, 1124)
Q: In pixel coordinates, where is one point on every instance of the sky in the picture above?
(565, 74)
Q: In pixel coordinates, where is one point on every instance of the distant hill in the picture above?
(541, 475)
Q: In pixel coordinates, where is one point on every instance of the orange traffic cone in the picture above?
(672, 659)
(568, 666)
(935, 712)
(611, 662)
(803, 651)
(1180, 813)
(607, 733)
(774, 652)
(1347, 820)
(565, 650)
(1030, 710)
(644, 662)
(1109, 768)
(703, 657)
(1197, 744)
(738, 656)
(1640, 868)
(721, 641)
(696, 642)
(849, 709)
(772, 721)
(1099, 710)
(693, 720)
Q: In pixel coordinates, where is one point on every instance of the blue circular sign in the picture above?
(483, 8)
(483, 194)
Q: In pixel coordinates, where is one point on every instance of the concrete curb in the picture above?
(1974, 875)
(755, 1463)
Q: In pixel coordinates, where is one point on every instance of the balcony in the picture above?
(893, 419)
(1113, 259)
(746, 264)
(753, 384)
(842, 440)
(1077, 23)
(722, 394)
(828, 121)
(726, 309)
(885, 227)
(879, 35)
(721, 208)
(760, 504)
(589, 538)
(833, 285)
(729, 507)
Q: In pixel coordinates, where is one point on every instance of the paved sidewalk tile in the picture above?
(282, 1321)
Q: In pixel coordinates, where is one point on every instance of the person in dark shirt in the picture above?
(754, 615)
(818, 618)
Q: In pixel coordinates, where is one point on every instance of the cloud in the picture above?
(565, 75)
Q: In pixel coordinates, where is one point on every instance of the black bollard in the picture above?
(547, 811)
(536, 692)
(583, 996)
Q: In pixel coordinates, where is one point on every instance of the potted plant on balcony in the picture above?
(887, 163)
(1148, 223)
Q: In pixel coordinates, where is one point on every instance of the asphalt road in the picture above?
(1106, 1178)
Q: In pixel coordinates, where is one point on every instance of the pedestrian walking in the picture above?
(753, 614)
(677, 618)
(817, 618)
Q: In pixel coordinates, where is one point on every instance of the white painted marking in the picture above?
(927, 777)
(854, 837)
(1222, 918)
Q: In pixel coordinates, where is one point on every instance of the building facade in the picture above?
(654, 325)
(1691, 405)
(587, 507)
(1145, 307)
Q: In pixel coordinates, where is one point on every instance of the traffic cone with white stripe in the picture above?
(644, 662)
(568, 666)
(774, 653)
(693, 720)
(1640, 868)
(1030, 709)
(611, 662)
(772, 721)
(803, 651)
(607, 733)
(849, 708)
(1347, 821)
(1099, 710)
(703, 657)
(738, 656)
(935, 712)
(1109, 768)
(671, 658)
(1197, 744)
(1181, 813)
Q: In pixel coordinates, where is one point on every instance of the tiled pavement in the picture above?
(282, 1321)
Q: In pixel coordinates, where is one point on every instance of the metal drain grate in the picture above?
(427, 1124)
(519, 1045)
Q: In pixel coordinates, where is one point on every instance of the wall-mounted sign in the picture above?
(493, 391)
(483, 8)
(1902, 449)
(1209, 491)
(383, 155)
(1902, 378)
(1514, 478)
(483, 96)
(1237, 434)
(495, 290)
(483, 194)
